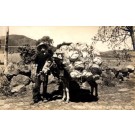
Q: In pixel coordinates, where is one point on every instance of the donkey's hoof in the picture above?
(63, 99)
(45, 100)
(67, 101)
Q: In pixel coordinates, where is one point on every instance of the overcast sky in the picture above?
(58, 33)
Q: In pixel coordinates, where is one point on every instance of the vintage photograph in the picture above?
(67, 67)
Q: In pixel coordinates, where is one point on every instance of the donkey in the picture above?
(58, 70)
(70, 87)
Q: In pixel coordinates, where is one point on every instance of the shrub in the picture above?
(27, 53)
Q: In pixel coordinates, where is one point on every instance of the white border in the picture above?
(66, 13)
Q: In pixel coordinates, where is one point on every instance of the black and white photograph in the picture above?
(67, 68)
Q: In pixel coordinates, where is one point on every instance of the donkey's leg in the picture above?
(96, 90)
(64, 94)
(92, 90)
(67, 95)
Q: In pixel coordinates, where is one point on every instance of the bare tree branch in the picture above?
(114, 36)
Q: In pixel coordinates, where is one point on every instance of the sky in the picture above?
(58, 33)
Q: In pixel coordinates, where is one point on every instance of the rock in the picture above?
(131, 75)
(118, 68)
(6, 90)
(123, 89)
(11, 70)
(4, 85)
(30, 86)
(25, 70)
(3, 81)
(130, 68)
(19, 80)
(104, 74)
(125, 70)
(120, 76)
(19, 88)
(1, 71)
(112, 75)
(108, 78)
(125, 78)
(33, 77)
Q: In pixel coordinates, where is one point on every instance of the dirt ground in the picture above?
(120, 97)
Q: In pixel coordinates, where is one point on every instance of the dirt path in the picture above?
(121, 97)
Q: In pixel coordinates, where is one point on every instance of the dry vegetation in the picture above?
(15, 57)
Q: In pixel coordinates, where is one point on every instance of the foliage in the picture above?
(46, 39)
(115, 36)
(6, 91)
(27, 53)
(49, 42)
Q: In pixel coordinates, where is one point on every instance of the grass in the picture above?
(15, 57)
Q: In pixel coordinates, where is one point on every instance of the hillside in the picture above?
(18, 40)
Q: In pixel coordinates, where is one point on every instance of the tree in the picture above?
(115, 35)
(49, 41)
(27, 53)
(46, 39)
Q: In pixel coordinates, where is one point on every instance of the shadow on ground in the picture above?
(81, 95)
